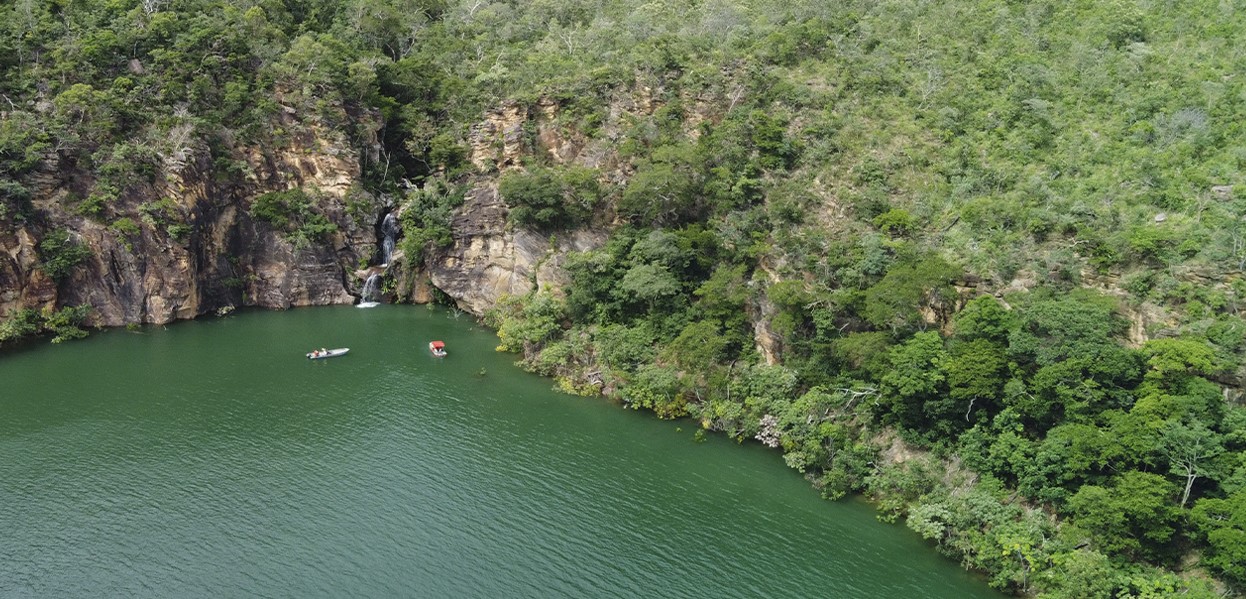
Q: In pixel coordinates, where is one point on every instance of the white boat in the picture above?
(438, 348)
(327, 353)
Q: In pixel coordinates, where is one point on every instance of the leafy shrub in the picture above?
(279, 208)
(65, 324)
(14, 198)
(93, 205)
(897, 222)
(895, 301)
(19, 324)
(425, 220)
(548, 199)
(291, 212)
(525, 323)
(1152, 243)
(125, 226)
(656, 388)
(60, 253)
(178, 231)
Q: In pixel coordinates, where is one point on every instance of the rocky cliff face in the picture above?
(185, 244)
(193, 248)
(222, 258)
(22, 283)
(489, 260)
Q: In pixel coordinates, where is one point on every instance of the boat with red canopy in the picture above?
(438, 348)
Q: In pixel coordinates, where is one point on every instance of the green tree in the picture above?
(896, 222)
(66, 324)
(535, 197)
(592, 296)
(698, 347)
(984, 317)
(724, 295)
(19, 324)
(1081, 387)
(1055, 329)
(1080, 574)
(914, 378)
(1223, 523)
(1190, 449)
(292, 212)
(1134, 517)
(975, 372)
(547, 199)
(525, 323)
(662, 191)
(23, 142)
(1179, 357)
(625, 348)
(1069, 456)
(656, 388)
(648, 283)
(86, 115)
(896, 301)
(864, 352)
(60, 253)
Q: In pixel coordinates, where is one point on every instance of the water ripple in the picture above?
(171, 468)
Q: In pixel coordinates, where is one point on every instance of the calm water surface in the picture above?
(211, 459)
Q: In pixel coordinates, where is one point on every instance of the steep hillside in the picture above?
(982, 261)
(182, 243)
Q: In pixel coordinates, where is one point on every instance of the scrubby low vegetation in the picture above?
(950, 225)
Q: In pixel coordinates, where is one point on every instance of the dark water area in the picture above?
(212, 459)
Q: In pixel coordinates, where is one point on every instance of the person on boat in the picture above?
(324, 351)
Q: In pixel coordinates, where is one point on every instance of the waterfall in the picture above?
(389, 233)
(371, 287)
(370, 294)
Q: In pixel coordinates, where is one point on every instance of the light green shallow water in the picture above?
(211, 459)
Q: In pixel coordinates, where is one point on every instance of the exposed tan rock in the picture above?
(762, 311)
(496, 142)
(314, 160)
(226, 259)
(562, 146)
(22, 283)
(489, 260)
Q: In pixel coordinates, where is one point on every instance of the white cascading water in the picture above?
(371, 293)
(389, 232)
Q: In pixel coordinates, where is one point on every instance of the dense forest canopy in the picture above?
(993, 250)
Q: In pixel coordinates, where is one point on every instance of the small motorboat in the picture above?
(326, 353)
(438, 348)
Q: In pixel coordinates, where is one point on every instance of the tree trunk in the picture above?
(1190, 477)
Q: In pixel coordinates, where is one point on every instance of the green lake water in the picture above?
(211, 459)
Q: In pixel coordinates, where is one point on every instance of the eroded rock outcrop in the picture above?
(489, 259)
(22, 283)
(193, 247)
(185, 244)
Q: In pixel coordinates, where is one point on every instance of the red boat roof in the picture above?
(438, 344)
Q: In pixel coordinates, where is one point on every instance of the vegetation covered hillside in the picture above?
(980, 260)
